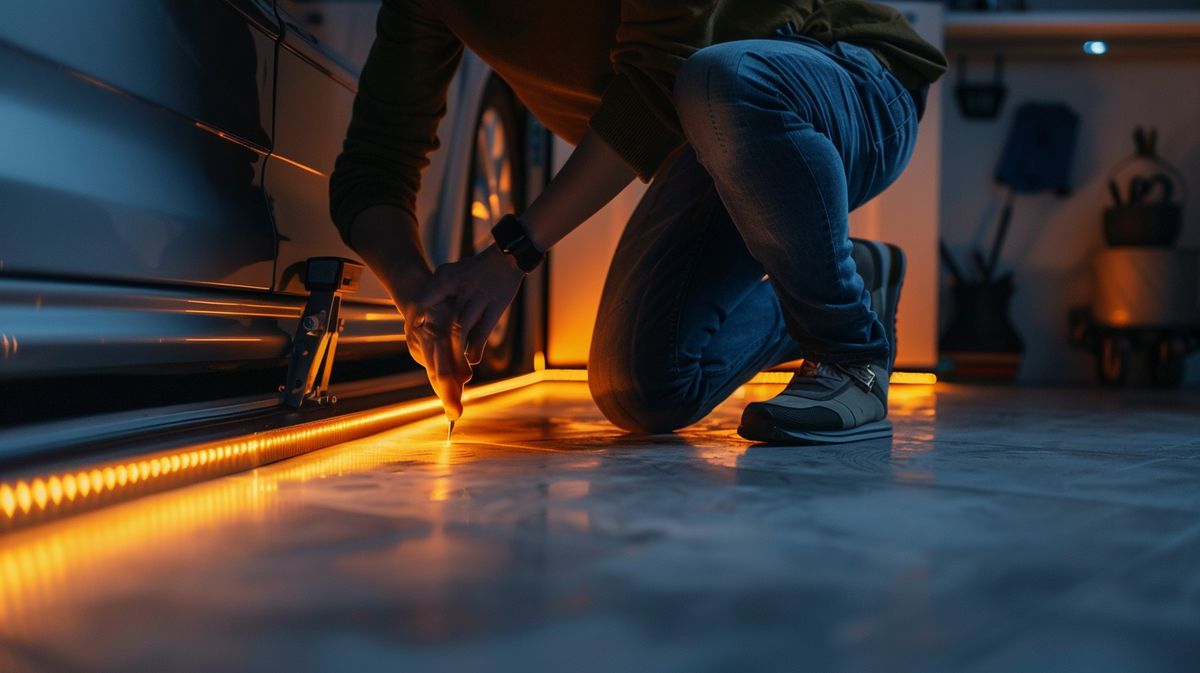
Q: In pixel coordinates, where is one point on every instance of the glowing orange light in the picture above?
(8, 500)
(299, 165)
(479, 211)
(56, 489)
(566, 375)
(223, 339)
(903, 378)
(40, 494)
(24, 499)
(239, 304)
(69, 493)
(128, 480)
(374, 338)
(914, 378)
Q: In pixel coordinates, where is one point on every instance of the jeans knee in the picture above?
(641, 400)
(628, 404)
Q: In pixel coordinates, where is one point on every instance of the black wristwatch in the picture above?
(512, 239)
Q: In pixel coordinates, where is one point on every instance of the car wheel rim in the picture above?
(491, 193)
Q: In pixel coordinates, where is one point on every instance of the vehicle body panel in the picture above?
(144, 125)
(169, 177)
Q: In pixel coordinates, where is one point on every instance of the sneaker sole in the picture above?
(880, 429)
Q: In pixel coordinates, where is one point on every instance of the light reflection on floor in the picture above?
(997, 523)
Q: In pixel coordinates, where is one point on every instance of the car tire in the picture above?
(496, 187)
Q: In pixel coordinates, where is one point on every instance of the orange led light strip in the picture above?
(28, 500)
(40, 498)
(905, 378)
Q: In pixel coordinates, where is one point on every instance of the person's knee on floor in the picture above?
(639, 394)
(643, 401)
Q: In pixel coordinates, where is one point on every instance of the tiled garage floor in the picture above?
(1000, 530)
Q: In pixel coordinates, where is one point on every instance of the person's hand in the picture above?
(479, 289)
(437, 345)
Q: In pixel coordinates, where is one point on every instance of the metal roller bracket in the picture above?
(315, 343)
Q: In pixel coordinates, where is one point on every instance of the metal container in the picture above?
(1153, 225)
(1145, 287)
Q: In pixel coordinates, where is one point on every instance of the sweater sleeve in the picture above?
(393, 128)
(636, 115)
(886, 32)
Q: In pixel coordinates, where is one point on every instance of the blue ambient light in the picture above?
(1095, 47)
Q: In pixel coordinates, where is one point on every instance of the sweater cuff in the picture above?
(347, 209)
(630, 126)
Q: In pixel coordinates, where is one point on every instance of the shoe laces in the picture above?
(814, 375)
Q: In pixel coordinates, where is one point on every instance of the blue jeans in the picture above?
(738, 257)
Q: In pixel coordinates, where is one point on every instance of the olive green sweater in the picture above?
(604, 64)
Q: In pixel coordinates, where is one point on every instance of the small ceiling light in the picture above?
(1095, 47)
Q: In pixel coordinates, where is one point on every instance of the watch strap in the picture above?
(512, 239)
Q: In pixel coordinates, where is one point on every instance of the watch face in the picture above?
(508, 233)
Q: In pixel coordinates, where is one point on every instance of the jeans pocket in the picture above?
(890, 103)
(897, 114)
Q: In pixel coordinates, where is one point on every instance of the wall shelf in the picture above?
(1044, 33)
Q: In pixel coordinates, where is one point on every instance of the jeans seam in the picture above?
(712, 118)
(898, 126)
(830, 252)
(677, 306)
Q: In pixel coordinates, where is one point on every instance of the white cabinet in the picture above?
(907, 213)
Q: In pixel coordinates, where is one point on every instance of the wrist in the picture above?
(386, 238)
(405, 285)
(532, 222)
(504, 261)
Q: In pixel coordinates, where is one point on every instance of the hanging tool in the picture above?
(1114, 190)
(1145, 142)
(315, 344)
(1001, 234)
(1140, 189)
(981, 100)
(951, 265)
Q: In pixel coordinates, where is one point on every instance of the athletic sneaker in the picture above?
(833, 404)
(823, 404)
(881, 266)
